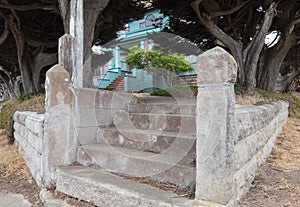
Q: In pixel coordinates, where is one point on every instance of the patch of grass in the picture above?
(238, 89)
(30, 96)
(292, 98)
(36, 103)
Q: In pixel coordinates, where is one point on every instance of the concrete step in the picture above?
(160, 167)
(149, 140)
(163, 108)
(160, 122)
(105, 189)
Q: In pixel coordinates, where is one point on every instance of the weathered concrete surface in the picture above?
(60, 142)
(160, 122)
(255, 141)
(232, 140)
(160, 167)
(216, 66)
(215, 126)
(48, 200)
(148, 140)
(83, 182)
(29, 133)
(9, 200)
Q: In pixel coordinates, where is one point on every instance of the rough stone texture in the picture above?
(161, 167)
(18, 200)
(165, 108)
(83, 182)
(29, 131)
(160, 122)
(217, 71)
(60, 142)
(186, 80)
(95, 108)
(215, 144)
(252, 150)
(216, 66)
(48, 200)
(148, 140)
(250, 119)
(232, 140)
(65, 51)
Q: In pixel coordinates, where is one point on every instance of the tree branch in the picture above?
(29, 7)
(4, 34)
(291, 26)
(227, 12)
(218, 33)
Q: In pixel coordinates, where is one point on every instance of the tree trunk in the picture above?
(287, 84)
(247, 58)
(25, 64)
(41, 60)
(273, 60)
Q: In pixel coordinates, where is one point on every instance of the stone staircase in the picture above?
(154, 139)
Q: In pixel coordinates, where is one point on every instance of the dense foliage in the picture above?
(240, 26)
(153, 59)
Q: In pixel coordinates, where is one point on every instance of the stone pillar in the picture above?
(59, 142)
(65, 52)
(77, 31)
(217, 71)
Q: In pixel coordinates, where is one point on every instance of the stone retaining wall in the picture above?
(29, 133)
(257, 129)
(186, 80)
(232, 140)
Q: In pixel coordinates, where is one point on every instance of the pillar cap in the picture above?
(216, 66)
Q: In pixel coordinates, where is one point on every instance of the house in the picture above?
(110, 68)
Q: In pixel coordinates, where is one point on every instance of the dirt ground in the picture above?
(277, 183)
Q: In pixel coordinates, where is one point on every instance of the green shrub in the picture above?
(264, 94)
(174, 89)
(31, 102)
(238, 89)
(29, 96)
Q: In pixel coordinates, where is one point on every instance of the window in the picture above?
(150, 20)
(142, 25)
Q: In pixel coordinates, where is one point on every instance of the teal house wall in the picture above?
(108, 68)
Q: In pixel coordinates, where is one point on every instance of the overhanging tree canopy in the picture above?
(240, 26)
(29, 33)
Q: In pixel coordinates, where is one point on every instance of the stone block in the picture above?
(14, 200)
(35, 124)
(216, 66)
(216, 134)
(21, 140)
(21, 129)
(148, 140)
(162, 167)
(161, 122)
(121, 100)
(86, 135)
(87, 98)
(246, 149)
(36, 142)
(83, 182)
(94, 117)
(20, 117)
